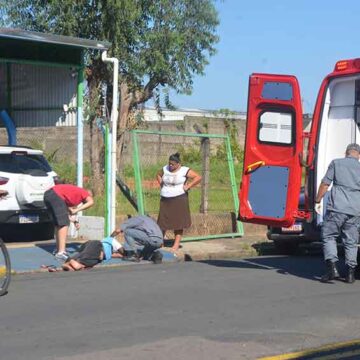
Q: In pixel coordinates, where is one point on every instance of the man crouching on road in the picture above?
(143, 238)
(342, 212)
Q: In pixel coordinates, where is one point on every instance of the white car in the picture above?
(25, 175)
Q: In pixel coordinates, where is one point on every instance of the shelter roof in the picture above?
(29, 46)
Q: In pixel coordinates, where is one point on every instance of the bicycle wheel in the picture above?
(5, 268)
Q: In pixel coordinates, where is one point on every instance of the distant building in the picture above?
(151, 114)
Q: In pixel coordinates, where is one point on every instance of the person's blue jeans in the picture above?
(135, 240)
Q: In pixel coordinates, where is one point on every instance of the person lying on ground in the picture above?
(94, 252)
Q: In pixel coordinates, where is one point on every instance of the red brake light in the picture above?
(341, 65)
(347, 65)
(3, 180)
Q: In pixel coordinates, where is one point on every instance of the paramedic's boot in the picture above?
(131, 256)
(147, 252)
(350, 276)
(331, 272)
(157, 257)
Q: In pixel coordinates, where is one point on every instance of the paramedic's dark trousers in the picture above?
(347, 226)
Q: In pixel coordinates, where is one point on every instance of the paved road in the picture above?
(218, 310)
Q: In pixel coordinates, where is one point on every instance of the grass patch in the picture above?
(220, 195)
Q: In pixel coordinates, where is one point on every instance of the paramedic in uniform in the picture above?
(342, 216)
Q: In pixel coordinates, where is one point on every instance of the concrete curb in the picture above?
(220, 249)
(95, 268)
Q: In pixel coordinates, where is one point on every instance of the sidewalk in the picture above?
(31, 256)
(226, 247)
(221, 248)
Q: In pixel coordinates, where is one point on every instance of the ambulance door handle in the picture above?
(254, 166)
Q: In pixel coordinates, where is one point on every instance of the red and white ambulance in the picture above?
(283, 164)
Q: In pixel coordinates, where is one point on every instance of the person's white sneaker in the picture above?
(62, 256)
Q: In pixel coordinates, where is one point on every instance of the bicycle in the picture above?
(5, 268)
(5, 265)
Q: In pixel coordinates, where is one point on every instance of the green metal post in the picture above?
(171, 133)
(138, 184)
(234, 189)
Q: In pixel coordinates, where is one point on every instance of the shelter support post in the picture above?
(114, 117)
(80, 126)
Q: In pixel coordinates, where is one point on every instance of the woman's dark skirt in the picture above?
(174, 213)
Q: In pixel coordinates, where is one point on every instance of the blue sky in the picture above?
(302, 38)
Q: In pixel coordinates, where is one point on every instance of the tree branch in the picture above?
(146, 93)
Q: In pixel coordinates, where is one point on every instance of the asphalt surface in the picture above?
(231, 309)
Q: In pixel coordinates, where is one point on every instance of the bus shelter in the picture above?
(40, 75)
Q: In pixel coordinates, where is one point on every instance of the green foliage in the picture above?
(232, 130)
(205, 125)
(67, 172)
(190, 154)
(160, 44)
(180, 125)
(220, 195)
(49, 155)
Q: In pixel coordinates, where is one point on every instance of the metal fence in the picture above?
(213, 203)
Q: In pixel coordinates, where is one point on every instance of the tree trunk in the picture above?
(125, 106)
(205, 153)
(96, 159)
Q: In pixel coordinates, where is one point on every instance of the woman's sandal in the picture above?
(50, 268)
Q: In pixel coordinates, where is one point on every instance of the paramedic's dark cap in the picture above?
(353, 147)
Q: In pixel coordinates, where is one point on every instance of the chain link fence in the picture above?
(213, 203)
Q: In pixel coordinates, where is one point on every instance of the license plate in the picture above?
(28, 219)
(294, 228)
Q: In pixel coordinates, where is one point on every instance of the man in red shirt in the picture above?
(63, 200)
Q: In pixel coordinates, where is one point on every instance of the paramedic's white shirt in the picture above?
(173, 182)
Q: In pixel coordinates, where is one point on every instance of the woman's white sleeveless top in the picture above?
(173, 182)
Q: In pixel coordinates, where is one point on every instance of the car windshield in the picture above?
(23, 163)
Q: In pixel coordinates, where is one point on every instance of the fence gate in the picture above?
(214, 202)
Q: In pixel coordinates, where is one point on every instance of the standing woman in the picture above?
(175, 181)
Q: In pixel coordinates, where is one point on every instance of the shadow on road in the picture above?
(307, 267)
